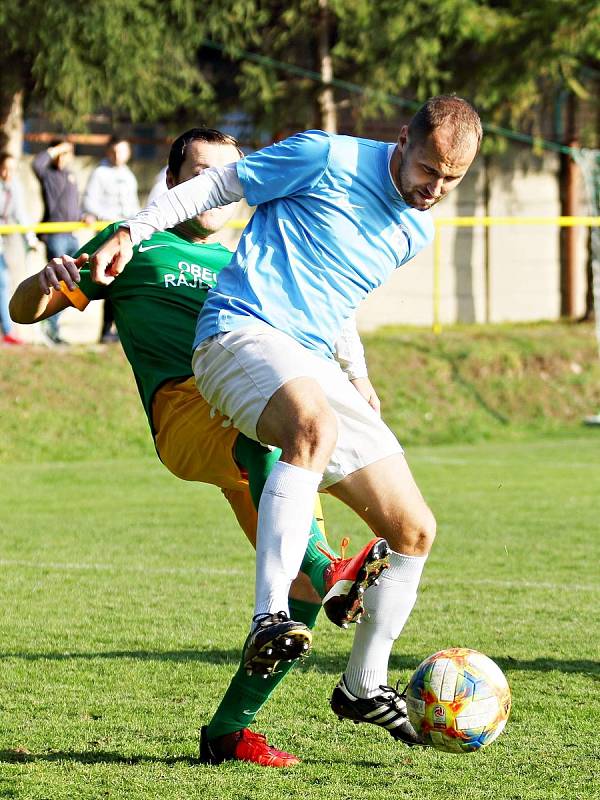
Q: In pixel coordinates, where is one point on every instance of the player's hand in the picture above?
(110, 259)
(364, 387)
(60, 269)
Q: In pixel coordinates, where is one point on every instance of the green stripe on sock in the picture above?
(315, 562)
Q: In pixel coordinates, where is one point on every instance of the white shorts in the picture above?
(239, 371)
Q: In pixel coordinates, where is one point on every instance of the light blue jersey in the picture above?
(330, 226)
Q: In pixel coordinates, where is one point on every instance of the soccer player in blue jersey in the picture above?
(335, 216)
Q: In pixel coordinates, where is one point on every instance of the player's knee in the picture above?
(427, 530)
(424, 531)
(418, 535)
(315, 432)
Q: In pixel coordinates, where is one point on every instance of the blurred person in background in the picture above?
(11, 212)
(112, 194)
(61, 204)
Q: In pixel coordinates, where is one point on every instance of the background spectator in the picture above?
(61, 204)
(11, 211)
(112, 194)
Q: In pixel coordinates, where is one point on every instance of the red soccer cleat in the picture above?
(8, 339)
(347, 579)
(243, 745)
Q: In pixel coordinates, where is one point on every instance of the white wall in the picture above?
(524, 263)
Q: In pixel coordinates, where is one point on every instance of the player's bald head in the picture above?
(450, 118)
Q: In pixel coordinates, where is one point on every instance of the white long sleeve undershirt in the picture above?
(216, 186)
(349, 351)
(219, 186)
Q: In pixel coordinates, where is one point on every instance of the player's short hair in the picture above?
(4, 156)
(446, 109)
(180, 145)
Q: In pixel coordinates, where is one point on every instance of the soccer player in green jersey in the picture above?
(156, 302)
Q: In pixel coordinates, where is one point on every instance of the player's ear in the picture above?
(403, 137)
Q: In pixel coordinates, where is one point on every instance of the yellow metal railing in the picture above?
(440, 222)
(486, 222)
(68, 227)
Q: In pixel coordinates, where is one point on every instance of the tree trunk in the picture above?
(569, 208)
(11, 121)
(326, 96)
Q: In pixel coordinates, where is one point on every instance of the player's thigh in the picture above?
(240, 371)
(299, 420)
(387, 497)
(193, 440)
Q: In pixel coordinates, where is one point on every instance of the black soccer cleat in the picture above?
(275, 638)
(388, 710)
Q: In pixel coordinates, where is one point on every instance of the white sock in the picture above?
(284, 516)
(387, 608)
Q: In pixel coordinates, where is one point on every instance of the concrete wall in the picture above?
(524, 265)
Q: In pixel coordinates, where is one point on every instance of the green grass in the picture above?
(470, 384)
(119, 632)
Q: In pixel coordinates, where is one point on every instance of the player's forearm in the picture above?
(29, 303)
(217, 186)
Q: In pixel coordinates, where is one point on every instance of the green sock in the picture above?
(247, 694)
(258, 461)
(315, 561)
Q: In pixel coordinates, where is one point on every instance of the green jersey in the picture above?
(156, 300)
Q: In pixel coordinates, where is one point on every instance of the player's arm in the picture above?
(41, 295)
(350, 355)
(280, 170)
(56, 287)
(216, 186)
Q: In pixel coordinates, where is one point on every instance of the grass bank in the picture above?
(469, 384)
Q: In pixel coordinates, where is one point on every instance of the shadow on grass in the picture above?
(584, 666)
(109, 757)
(91, 757)
(510, 664)
(318, 661)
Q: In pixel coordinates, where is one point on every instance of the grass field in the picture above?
(119, 633)
(472, 383)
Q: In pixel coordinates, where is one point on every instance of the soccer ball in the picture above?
(458, 700)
